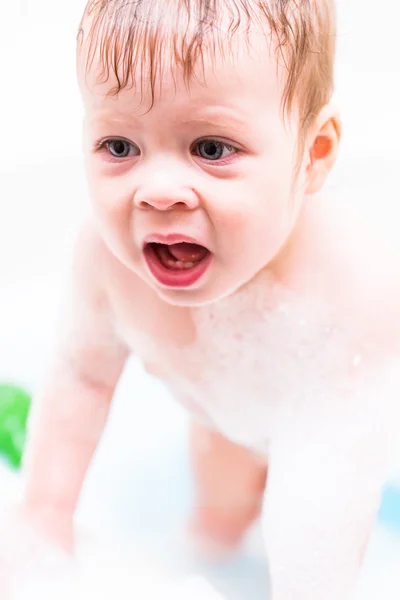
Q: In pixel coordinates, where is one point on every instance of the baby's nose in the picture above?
(165, 183)
(165, 197)
(164, 201)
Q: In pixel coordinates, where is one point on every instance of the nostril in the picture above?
(161, 206)
(165, 200)
(143, 205)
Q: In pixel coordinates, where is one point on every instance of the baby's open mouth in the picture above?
(177, 265)
(180, 256)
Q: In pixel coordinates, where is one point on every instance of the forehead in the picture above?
(240, 68)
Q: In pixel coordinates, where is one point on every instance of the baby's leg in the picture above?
(323, 494)
(229, 486)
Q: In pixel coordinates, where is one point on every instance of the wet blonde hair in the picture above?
(145, 34)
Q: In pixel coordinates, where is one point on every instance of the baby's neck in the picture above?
(298, 255)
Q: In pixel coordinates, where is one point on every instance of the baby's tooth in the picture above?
(179, 264)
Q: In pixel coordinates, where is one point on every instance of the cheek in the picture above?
(263, 196)
(256, 214)
(109, 199)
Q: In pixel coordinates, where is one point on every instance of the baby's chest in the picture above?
(250, 371)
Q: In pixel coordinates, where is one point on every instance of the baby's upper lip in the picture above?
(170, 239)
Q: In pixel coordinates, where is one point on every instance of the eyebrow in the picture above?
(106, 117)
(223, 118)
(210, 117)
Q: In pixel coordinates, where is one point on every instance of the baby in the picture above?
(269, 310)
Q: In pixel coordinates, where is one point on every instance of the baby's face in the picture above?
(210, 163)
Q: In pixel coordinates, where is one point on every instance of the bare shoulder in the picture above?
(91, 259)
(367, 271)
(87, 312)
(88, 341)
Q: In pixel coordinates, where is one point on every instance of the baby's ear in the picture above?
(322, 147)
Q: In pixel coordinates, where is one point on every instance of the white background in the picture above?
(40, 102)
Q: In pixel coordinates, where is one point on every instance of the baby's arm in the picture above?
(229, 484)
(71, 410)
(322, 497)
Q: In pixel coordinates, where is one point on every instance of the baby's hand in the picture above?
(34, 568)
(31, 566)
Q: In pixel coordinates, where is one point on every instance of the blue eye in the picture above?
(214, 150)
(119, 148)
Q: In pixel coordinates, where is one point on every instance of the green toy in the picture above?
(15, 405)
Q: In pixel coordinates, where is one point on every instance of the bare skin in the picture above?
(230, 479)
(230, 482)
(287, 349)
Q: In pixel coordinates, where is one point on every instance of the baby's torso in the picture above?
(249, 364)
(325, 342)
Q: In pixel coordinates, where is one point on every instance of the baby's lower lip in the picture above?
(179, 275)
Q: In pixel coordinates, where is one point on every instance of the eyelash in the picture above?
(101, 146)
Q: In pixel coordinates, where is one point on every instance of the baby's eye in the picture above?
(214, 150)
(119, 148)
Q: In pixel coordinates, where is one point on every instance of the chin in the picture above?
(186, 298)
(196, 298)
